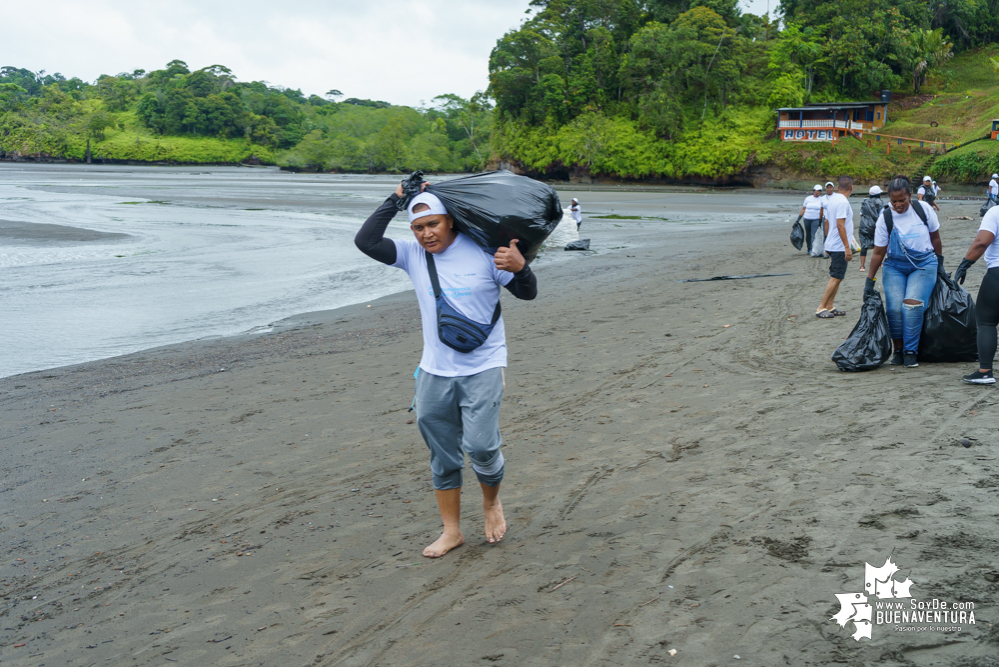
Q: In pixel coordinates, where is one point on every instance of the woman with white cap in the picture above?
(870, 209)
(927, 194)
(993, 190)
(811, 210)
(576, 213)
(459, 383)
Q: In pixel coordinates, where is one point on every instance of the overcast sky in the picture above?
(401, 51)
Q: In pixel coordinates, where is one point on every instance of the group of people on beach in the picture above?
(459, 384)
(904, 238)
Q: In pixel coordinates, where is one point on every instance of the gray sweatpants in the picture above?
(458, 416)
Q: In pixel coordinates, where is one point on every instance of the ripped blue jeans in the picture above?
(904, 281)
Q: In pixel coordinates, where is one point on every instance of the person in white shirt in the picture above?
(460, 380)
(838, 231)
(830, 189)
(576, 213)
(811, 211)
(993, 190)
(987, 304)
(928, 193)
(907, 245)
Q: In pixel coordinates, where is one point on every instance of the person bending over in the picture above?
(987, 303)
(811, 210)
(838, 231)
(907, 244)
(870, 209)
(458, 394)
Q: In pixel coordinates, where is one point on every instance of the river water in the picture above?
(98, 261)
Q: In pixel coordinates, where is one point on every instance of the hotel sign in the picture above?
(808, 135)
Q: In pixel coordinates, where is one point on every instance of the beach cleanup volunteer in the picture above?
(993, 190)
(914, 257)
(838, 231)
(576, 213)
(928, 193)
(811, 210)
(458, 393)
(987, 304)
(870, 209)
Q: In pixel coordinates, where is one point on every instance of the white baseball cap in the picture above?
(995, 175)
(828, 183)
(817, 187)
(875, 190)
(927, 178)
(431, 200)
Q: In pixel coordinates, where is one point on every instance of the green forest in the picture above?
(673, 90)
(176, 115)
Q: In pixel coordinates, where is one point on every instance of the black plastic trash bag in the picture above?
(494, 207)
(797, 235)
(869, 344)
(950, 332)
(581, 244)
(985, 207)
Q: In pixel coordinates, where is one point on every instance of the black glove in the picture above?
(962, 270)
(869, 286)
(940, 265)
(797, 221)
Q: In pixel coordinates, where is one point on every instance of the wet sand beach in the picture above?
(689, 479)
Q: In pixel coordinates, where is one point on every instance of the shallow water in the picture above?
(98, 261)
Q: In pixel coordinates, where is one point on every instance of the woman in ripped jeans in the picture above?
(907, 245)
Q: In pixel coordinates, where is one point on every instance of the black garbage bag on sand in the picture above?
(581, 244)
(985, 207)
(950, 332)
(797, 235)
(869, 344)
(494, 207)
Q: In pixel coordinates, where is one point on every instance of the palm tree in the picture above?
(929, 49)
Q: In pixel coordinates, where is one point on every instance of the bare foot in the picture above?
(444, 543)
(495, 521)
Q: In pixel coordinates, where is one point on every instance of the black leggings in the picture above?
(987, 315)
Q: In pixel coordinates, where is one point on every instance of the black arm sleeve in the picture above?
(524, 284)
(371, 239)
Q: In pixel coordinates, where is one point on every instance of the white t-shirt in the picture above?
(990, 223)
(839, 207)
(994, 187)
(812, 205)
(936, 189)
(471, 283)
(911, 230)
(825, 204)
(576, 212)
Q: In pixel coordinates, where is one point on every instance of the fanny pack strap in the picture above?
(435, 281)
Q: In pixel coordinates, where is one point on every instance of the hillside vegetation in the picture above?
(175, 115)
(686, 90)
(661, 90)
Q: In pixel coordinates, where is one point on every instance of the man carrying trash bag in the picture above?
(460, 380)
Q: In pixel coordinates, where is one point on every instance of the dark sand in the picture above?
(691, 485)
(15, 232)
